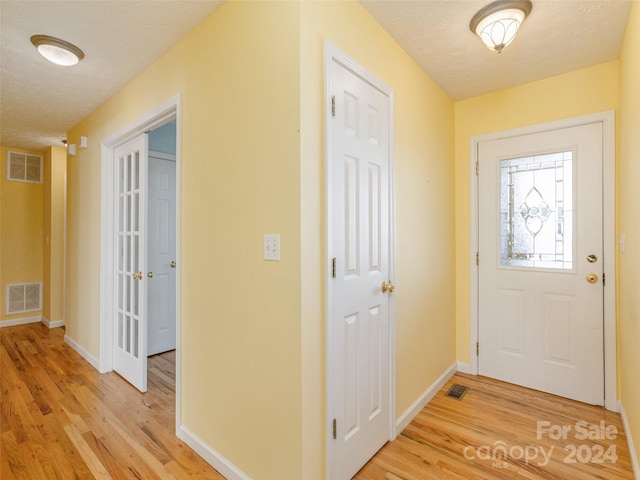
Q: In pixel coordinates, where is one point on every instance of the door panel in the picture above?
(161, 300)
(558, 327)
(360, 242)
(511, 321)
(129, 353)
(540, 319)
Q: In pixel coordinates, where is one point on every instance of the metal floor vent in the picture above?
(23, 297)
(457, 391)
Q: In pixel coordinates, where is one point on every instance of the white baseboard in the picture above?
(210, 455)
(464, 368)
(83, 353)
(52, 324)
(429, 393)
(632, 451)
(20, 321)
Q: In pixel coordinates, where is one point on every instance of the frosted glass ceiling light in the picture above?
(497, 23)
(57, 51)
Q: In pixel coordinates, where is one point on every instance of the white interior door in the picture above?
(360, 243)
(161, 255)
(130, 346)
(541, 261)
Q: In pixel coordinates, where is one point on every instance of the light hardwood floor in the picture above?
(60, 419)
(493, 433)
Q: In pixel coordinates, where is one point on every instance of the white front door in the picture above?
(359, 316)
(541, 261)
(130, 346)
(161, 255)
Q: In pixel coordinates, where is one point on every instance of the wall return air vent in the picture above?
(23, 167)
(23, 297)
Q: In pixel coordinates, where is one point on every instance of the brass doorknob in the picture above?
(387, 286)
(137, 276)
(150, 274)
(592, 278)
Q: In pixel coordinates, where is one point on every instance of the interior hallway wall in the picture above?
(425, 341)
(629, 225)
(238, 76)
(251, 82)
(55, 166)
(21, 233)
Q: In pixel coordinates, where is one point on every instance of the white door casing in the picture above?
(555, 342)
(359, 324)
(130, 343)
(161, 254)
(161, 114)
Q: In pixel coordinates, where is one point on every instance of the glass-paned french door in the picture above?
(130, 332)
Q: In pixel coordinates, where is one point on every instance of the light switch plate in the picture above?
(272, 247)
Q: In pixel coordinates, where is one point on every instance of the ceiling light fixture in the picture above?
(497, 23)
(57, 51)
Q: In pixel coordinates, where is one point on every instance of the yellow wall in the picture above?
(629, 224)
(238, 73)
(253, 332)
(424, 211)
(55, 163)
(581, 92)
(251, 79)
(20, 233)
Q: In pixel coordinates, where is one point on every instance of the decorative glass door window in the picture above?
(536, 211)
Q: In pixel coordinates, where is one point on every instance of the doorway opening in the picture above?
(161, 239)
(132, 232)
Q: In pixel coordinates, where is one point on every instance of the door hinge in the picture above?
(333, 267)
(604, 279)
(477, 168)
(477, 258)
(477, 349)
(333, 105)
(335, 429)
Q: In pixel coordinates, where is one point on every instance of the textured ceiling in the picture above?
(558, 36)
(39, 101)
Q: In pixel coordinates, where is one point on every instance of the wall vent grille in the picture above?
(23, 297)
(22, 167)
